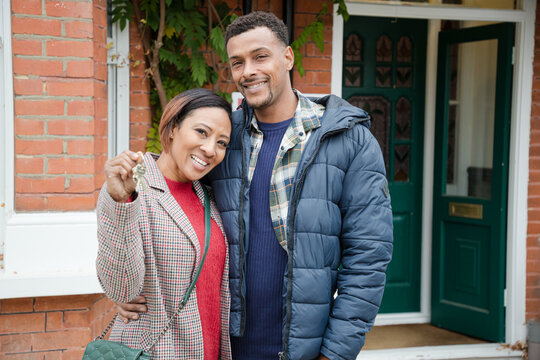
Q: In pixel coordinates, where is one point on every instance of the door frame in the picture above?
(516, 232)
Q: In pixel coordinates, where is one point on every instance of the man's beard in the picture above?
(262, 104)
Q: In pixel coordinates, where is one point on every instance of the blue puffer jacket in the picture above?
(339, 233)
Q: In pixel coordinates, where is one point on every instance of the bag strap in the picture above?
(185, 298)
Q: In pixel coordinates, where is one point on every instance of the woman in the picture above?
(150, 242)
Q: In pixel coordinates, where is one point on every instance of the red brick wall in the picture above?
(533, 232)
(51, 327)
(100, 92)
(317, 65)
(60, 103)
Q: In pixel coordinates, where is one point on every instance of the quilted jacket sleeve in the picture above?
(366, 241)
(120, 259)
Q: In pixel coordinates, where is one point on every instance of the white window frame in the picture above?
(118, 78)
(48, 254)
(519, 151)
(6, 126)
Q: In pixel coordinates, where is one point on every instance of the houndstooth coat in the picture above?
(149, 247)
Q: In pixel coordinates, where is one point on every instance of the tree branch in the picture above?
(215, 86)
(154, 65)
(152, 56)
(141, 28)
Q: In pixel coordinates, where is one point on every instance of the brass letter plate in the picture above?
(470, 211)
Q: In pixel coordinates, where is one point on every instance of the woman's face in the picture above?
(197, 146)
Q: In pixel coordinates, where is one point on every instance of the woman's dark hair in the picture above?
(258, 19)
(182, 105)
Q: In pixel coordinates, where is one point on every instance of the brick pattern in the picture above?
(99, 105)
(533, 232)
(58, 47)
(140, 112)
(317, 65)
(51, 327)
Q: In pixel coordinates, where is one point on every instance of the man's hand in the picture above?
(130, 311)
(322, 357)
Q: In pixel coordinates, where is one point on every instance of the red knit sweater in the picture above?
(209, 284)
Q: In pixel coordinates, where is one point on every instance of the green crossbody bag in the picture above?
(101, 349)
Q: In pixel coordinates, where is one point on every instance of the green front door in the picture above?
(384, 74)
(470, 182)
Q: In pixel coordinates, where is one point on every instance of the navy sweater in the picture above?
(265, 260)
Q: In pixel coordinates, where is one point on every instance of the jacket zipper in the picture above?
(290, 241)
(241, 235)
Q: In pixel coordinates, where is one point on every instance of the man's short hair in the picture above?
(258, 19)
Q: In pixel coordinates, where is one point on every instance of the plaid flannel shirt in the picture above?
(306, 118)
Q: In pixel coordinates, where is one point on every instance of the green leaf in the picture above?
(198, 70)
(342, 9)
(225, 95)
(154, 143)
(318, 35)
(217, 42)
(298, 58)
(122, 12)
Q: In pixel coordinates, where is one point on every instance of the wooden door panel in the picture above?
(384, 74)
(466, 269)
(470, 180)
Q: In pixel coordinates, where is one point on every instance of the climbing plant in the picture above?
(184, 46)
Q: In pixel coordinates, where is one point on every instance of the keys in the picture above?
(138, 174)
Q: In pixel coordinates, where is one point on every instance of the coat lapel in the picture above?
(156, 180)
(214, 212)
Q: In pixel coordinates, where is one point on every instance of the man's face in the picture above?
(260, 66)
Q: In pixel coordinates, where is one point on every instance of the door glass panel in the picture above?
(378, 107)
(384, 49)
(471, 117)
(383, 76)
(404, 77)
(404, 49)
(353, 76)
(401, 163)
(403, 119)
(353, 48)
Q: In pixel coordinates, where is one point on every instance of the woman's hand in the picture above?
(130, 311)
(119, 175)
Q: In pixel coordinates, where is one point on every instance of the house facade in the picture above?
(452, 87)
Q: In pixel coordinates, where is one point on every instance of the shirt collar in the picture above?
(306, 116)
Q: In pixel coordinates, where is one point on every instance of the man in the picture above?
(305, 204)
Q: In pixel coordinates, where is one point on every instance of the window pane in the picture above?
(109, 18)
(471, 120)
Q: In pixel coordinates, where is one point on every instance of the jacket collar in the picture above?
(338, 113)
